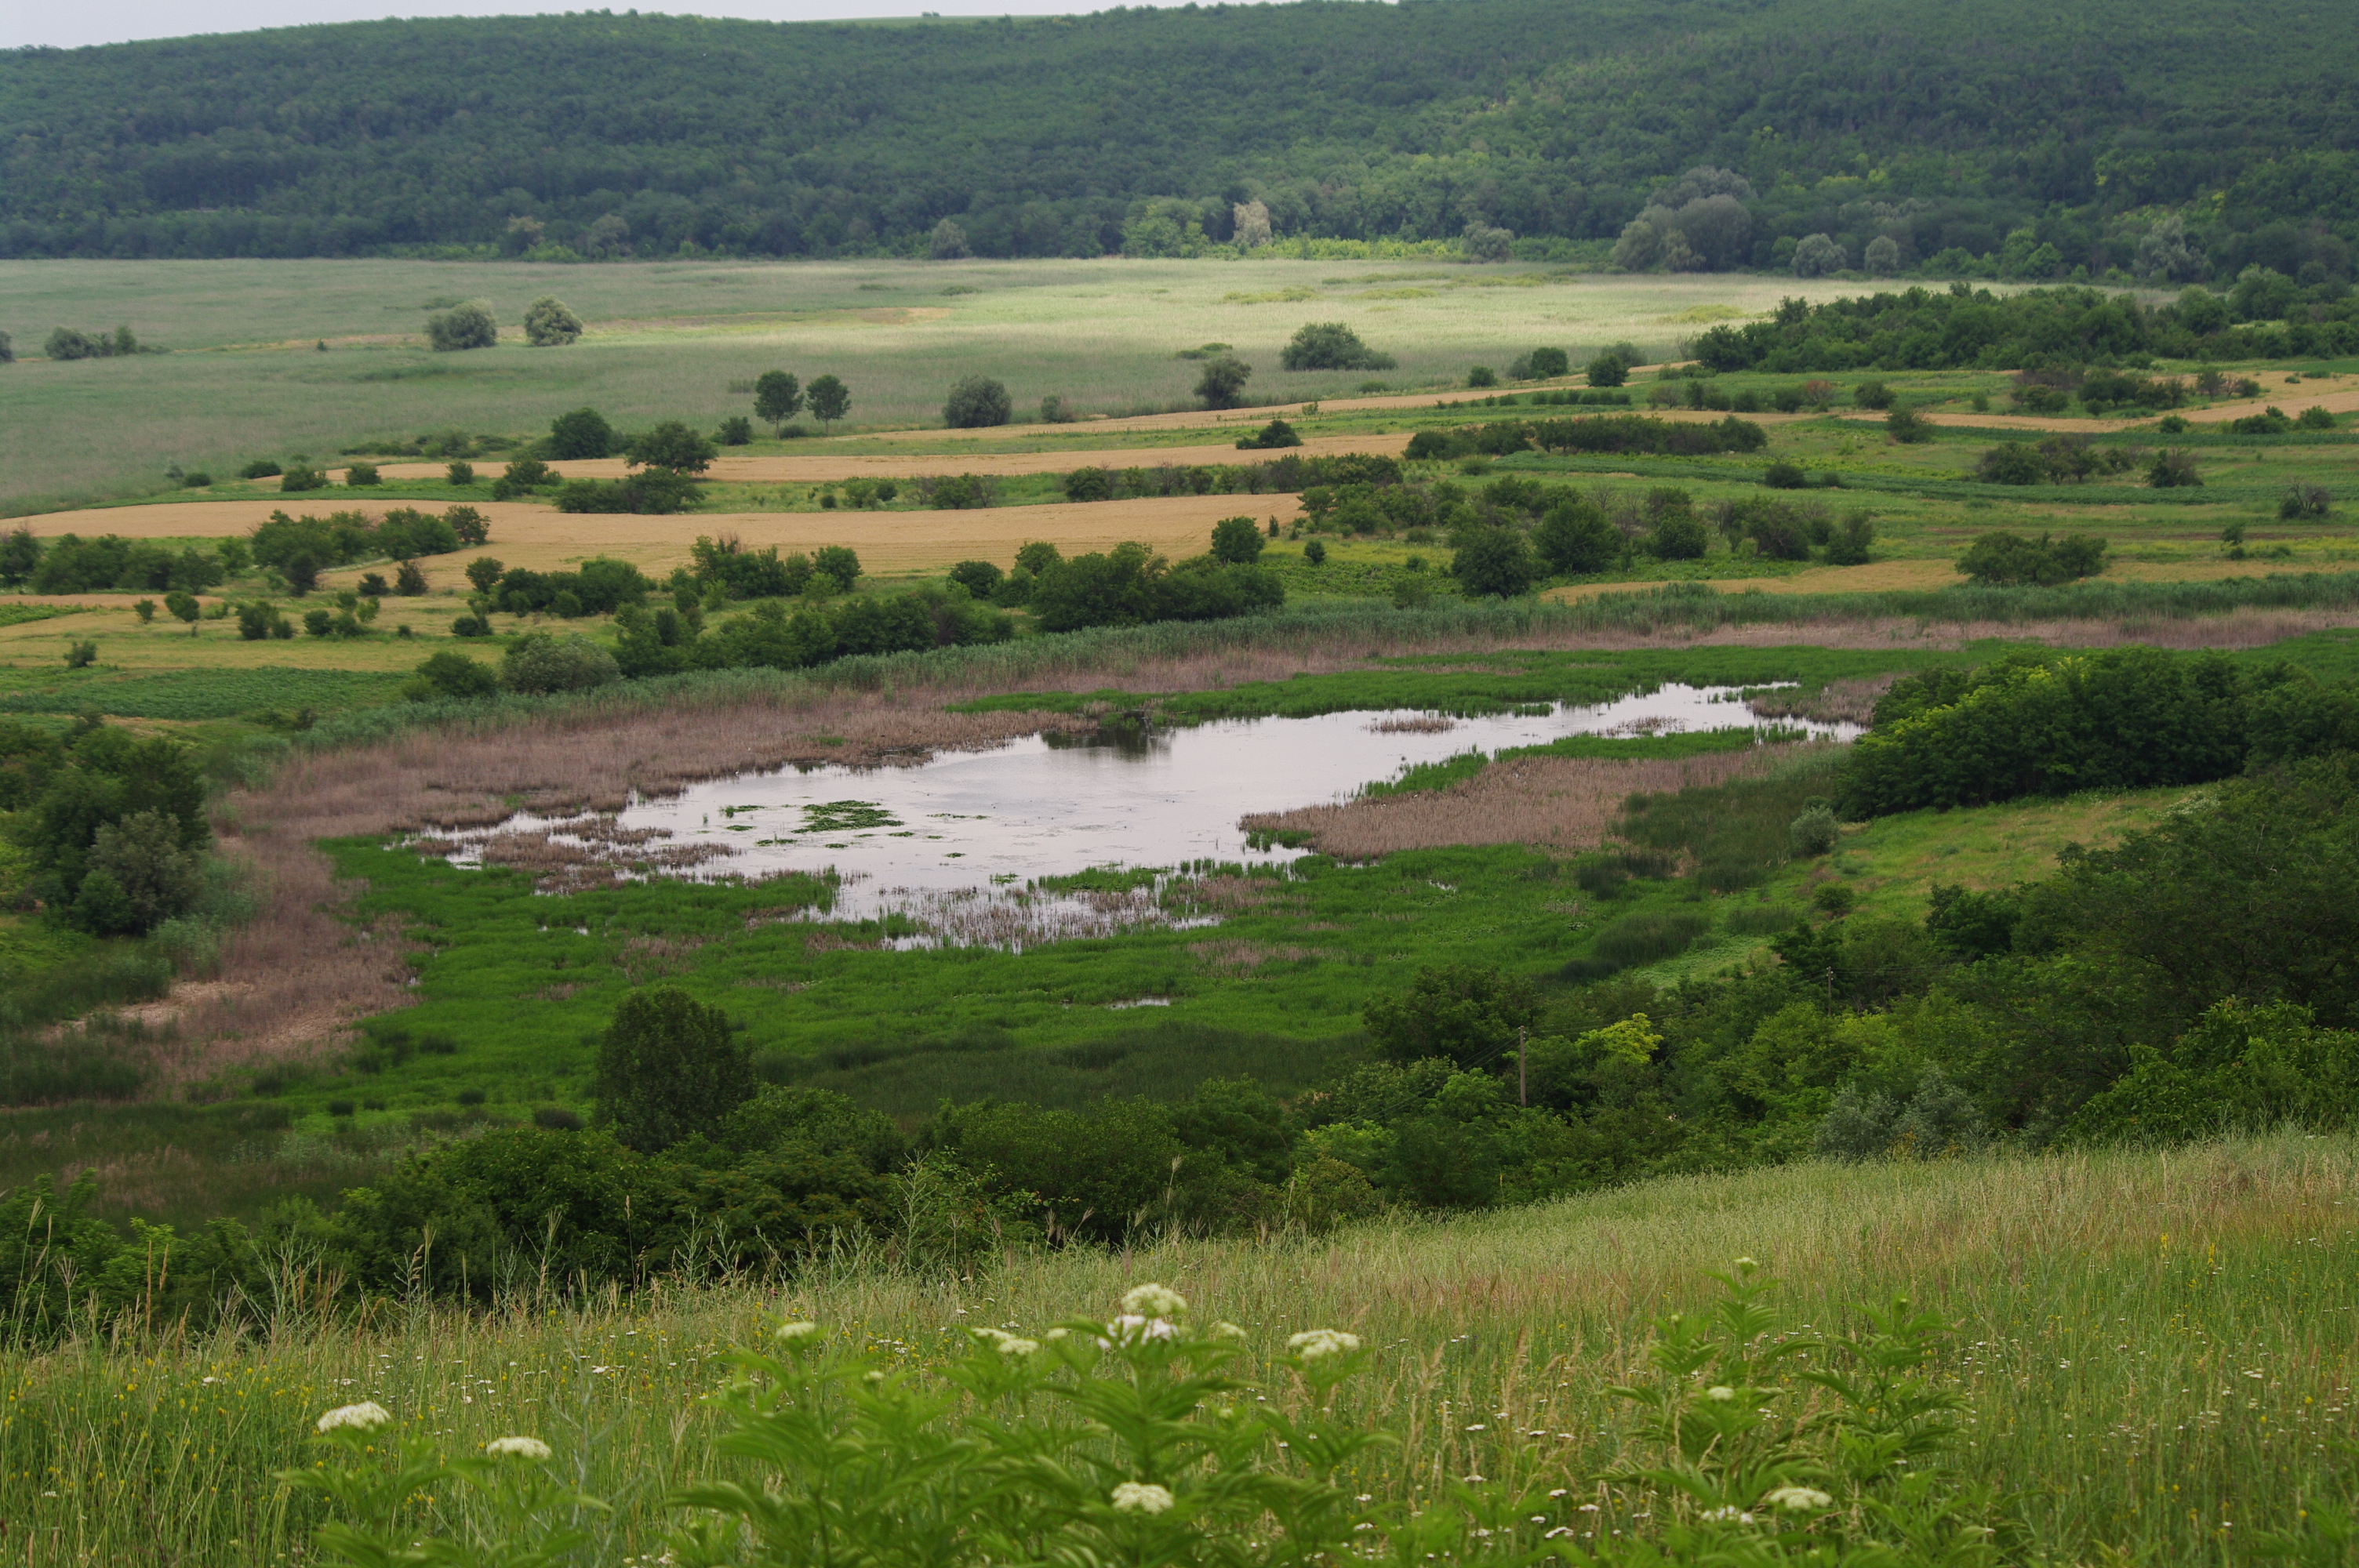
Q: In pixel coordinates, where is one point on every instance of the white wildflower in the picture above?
(1006, 1343)
(1800, 1499)
(1313, 1343)
(1227, 1331)
(1732, 1514)
(365, 1416)
(1132, 1329)
(1719, 1393)
(1141, 1497)
(521, 1447)
(1154, 1301)
(790, 1332)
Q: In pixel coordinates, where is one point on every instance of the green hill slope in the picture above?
(1942, 127)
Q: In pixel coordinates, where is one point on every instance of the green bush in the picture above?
(468, 326)
(1815, 832)
(1331, 345)
(540, 662)
(449, 676)
(975, 402)
(2005, 559)
(550, 324)
(667, 1068)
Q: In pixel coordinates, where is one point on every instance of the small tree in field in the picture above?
(468, 326)
(778, 397)
(1237, 541)
(184, 608)
(667, 1068)
(671, 445)
(1223, 384)
(831, 400)
(550, 324)
(976, 402)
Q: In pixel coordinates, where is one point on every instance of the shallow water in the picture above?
(948, 842)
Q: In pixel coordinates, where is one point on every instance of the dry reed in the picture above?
(1555, 803)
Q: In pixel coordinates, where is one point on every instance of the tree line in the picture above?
(1876, 134)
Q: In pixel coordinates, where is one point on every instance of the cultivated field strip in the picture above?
(544, 539)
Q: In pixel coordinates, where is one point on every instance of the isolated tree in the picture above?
(1817, 256)
(467, 525)
(550, 324)
(831, 400)
(1249, 223)
(184, 608)
(1331, 345)
(672, 447)
(468, 326)
(483, 572)
(408, 581)
(1223, 384)
(1237, 541)
(976, 402)
(1608, 369)
(583, 433)
(667, 1069)
(948, 242)
(778, 397)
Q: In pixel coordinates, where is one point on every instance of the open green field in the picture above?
(668, 340)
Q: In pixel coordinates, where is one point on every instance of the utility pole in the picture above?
(1523, 1074)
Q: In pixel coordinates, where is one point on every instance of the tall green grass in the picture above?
(2157, 1350)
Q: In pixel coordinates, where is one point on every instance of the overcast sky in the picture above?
(113, 21)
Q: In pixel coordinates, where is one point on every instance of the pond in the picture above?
(955, 844)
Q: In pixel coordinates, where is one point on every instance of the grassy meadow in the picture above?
(2155, 1349)
(246, 377)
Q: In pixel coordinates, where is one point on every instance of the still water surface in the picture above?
(971, 825)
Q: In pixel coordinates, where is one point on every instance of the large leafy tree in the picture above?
(668, 1068)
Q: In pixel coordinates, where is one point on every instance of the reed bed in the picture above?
(1564, 804)
(2156, 1347)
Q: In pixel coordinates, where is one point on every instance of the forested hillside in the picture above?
(2165, 137)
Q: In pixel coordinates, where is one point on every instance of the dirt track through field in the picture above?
(524, 534)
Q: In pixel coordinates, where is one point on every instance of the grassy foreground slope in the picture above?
(2156, 1349)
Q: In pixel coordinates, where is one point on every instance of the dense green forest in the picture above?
(2172, 140)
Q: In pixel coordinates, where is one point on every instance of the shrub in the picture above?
(1223, 384)
(2174, 470)
(2306, 501)
(1848, 545)
(980, 578)
(1315, 553)
(548, 324)
(1815, 832)
(667, 1068)
(1331, 345)
(1872, 395)
(2006, 558)
(1785, 475)
(1907, 427)
(468, 326)
(318, 623)
(1482, 376)
(583, 433)
(260, 468)
(1276, 434)
(360, 475)
(2315, 417)
(557, 1119)
(460, 473)
(1608, 369)
(1545, 365)
(1575, 538)
(1455, 1012)
(1492, 561)
(541, 663)
(301, 476)
(140, 876)
(1237, 541)
(975, 403)
(449, 676)
(735, 431)
(671, 446)
(1648, 937)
